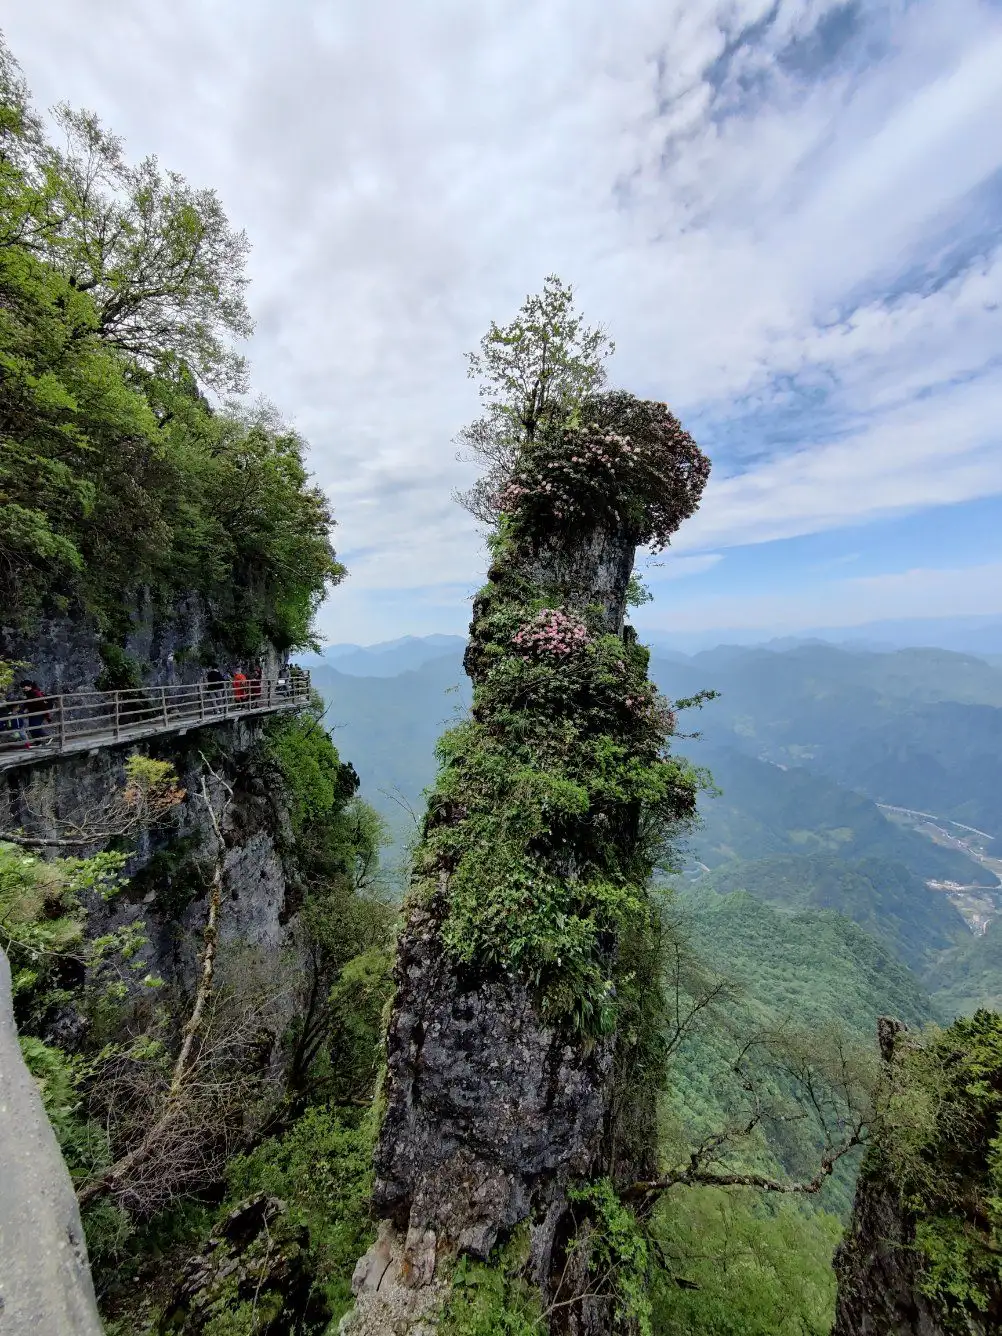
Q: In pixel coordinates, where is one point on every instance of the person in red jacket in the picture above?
(240, 687)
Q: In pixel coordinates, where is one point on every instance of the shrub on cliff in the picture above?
(938, 1140)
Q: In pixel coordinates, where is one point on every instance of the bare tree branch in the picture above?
(696, 1175)
(175, 1107)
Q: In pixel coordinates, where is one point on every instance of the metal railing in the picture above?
(33, 727)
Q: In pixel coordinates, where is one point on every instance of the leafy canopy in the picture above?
(121, 290)
(534, 373)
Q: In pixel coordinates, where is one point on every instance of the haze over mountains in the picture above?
(804, 741)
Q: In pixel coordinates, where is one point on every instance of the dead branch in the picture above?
(150, 793)
(174, 1110)
(695, 1175)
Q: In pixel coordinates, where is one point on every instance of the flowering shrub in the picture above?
(552, 632)
(559, 795)
(537, 814)
(628, 461)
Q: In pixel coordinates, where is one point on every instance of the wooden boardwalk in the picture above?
(83, 721)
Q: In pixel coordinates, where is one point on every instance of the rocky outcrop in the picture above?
(495, 1107)
(877, 1267)
(491, 1113)
(45, 1283)
(167, 872)
(920, 1256)
(63, 652)
(255, 1257)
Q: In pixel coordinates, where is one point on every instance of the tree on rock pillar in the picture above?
(508, 1118)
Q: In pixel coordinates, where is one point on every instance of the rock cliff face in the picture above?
(496, 1105)
(878, 1270)
(63, 652)
(167, 879)
(920, 1257)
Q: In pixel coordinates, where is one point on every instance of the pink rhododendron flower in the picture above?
(552, 632)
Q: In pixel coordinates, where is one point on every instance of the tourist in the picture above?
(240, 687)
(215, 682)
(11, 724)
(36, 707)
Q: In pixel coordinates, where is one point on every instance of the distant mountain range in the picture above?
(963, 635)
(386, 659)
(803, 742)
(981, 636)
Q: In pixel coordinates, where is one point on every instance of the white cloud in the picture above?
(408, 172)
(934, 451)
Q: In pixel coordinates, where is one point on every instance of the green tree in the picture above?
(344, 927)
(158, 256)
(119, 288)
(735, 1266)
(533, 374)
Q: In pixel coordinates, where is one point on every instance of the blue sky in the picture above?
(788, 213)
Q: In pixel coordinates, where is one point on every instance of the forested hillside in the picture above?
(884, 898)
(915, 728)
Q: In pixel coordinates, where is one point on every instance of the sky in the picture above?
(787, 213)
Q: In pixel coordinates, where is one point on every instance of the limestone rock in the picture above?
(489, 1111)
(877, 1270)
(388, 1302)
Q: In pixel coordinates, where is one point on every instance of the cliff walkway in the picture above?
(81, 721)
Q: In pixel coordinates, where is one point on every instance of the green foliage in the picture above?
(121, 671)
(732, 1265)
(565, 761)
(939, 1141)
(159, 261)
(533, 374)
(322, 1169)
(42, 920)
(115, 473)
(61, 1079)
(318, 786)
(800, 963)
(618, 1255)
(344, 926)
(338, 836)
(492, 1297)
(358, 1003)
(637, 593)
(110, 1230)
(806, 988)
